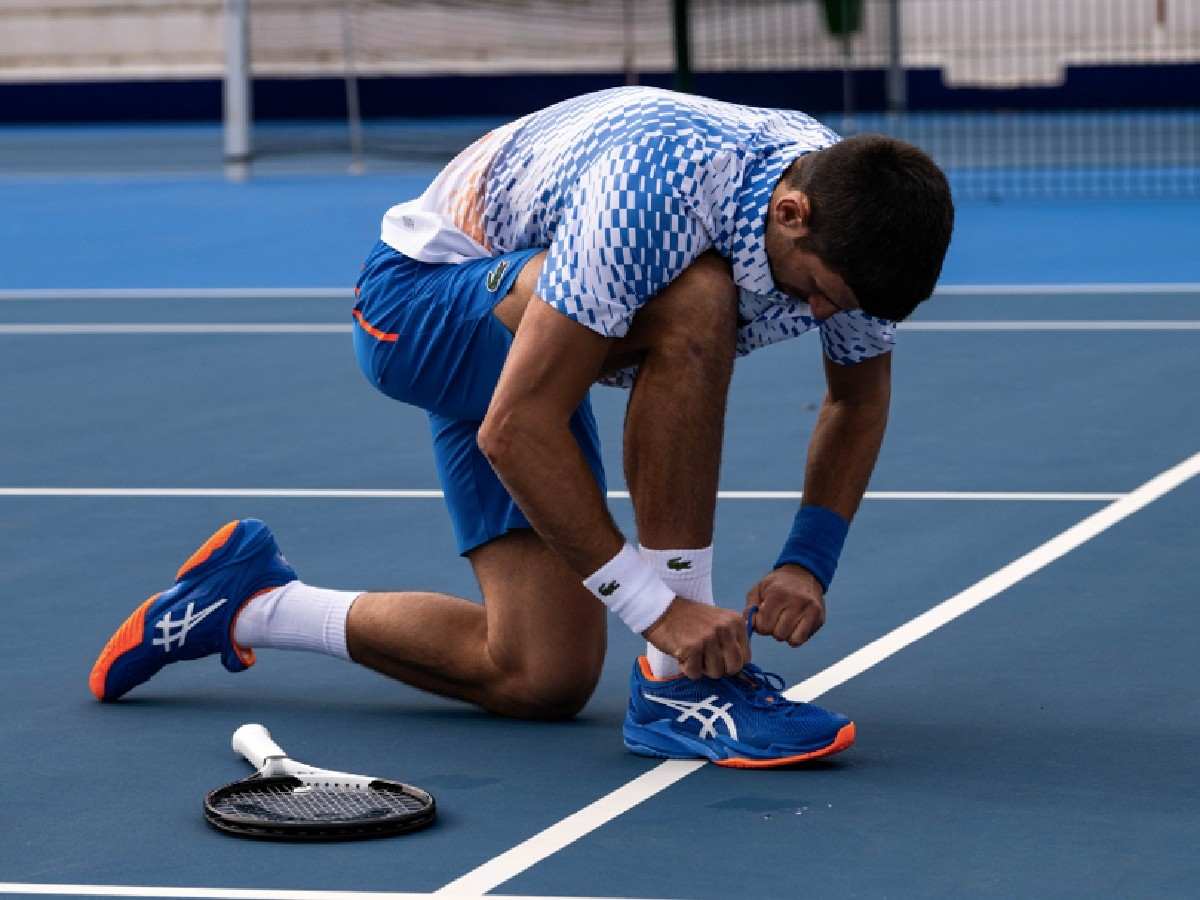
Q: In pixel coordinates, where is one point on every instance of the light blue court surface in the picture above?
(1042, 744)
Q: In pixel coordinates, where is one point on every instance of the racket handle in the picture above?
(254, 743)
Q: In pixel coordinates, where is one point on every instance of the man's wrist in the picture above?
(804, 570)
(629, 586)
(815, 542)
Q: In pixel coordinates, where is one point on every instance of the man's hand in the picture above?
(707, 640)
(791, 605)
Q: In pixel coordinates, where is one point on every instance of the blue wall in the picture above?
(1085, 87)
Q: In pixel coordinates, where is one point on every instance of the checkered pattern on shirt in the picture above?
(626, 187)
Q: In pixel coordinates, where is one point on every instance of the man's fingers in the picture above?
(784, 626)
(754, 597)
(690, 667)
(714, 661)
(805, 628)
(734, 656)
(766, 617)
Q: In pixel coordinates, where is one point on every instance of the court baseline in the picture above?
(200, 893)
(345, 293)
(282, 328)
(434, 494)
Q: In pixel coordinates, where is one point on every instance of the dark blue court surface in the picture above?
(1041, 745)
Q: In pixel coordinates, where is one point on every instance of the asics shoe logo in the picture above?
(706, 712)
(608, 588)
(173, 633)
(678, 563)
(494, 276)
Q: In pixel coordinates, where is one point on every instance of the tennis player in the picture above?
(638, 238)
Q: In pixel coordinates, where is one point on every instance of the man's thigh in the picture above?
(426, 335)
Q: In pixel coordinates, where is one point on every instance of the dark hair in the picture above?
(881, 218)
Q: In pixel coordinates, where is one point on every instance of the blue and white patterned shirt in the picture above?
(625, 188)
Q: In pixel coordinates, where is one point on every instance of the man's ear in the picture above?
(790, 211)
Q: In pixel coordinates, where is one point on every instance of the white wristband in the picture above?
(628, 586)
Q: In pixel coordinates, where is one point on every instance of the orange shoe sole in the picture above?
(845, 737)
(128, 636)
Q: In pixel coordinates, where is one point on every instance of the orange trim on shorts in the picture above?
(844, 739)
(218, 540)
(125, 638)
(373, 331)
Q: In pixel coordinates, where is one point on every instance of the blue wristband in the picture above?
(815, 542)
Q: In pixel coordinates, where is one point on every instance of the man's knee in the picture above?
(548, 695)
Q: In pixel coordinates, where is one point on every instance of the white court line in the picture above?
(177, 328)
(1100, 287)
(347, 293)
(1057, 325)
(532, 851)
(121, 890)
(277, 328)
(259, 293)
(431, 494)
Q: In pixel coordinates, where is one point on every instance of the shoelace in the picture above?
(762, 688)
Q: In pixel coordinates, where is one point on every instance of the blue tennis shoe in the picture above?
(195, 616)
(742, 720)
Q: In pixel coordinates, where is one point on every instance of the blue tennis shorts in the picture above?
(425, 335)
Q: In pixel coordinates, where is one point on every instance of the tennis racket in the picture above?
(286, 800)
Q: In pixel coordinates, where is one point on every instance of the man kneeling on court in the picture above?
(644, 239)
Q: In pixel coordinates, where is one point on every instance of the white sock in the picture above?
(689, 574)
(296, 617)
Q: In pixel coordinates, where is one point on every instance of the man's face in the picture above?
(798, 271)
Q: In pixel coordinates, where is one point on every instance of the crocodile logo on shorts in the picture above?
(678, 563)
(609, 588)
(494, 277)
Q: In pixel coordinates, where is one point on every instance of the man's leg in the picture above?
(534, 649)
(675, 421)
(674, 427)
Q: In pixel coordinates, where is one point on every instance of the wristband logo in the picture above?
(678, 563)
(608, 588)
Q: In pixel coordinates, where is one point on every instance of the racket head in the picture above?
(292, 808)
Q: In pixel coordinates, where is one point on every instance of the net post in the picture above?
(628, 42)
(897, 90)
(847, 41)
(237, 100)
(683, 45)
(353, 107)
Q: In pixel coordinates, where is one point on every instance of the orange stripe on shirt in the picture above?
(373, 331)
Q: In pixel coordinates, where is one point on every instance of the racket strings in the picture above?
(282, 803)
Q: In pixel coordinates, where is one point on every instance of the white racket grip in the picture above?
(254, 743)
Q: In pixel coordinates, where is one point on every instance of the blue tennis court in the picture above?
(176, 353)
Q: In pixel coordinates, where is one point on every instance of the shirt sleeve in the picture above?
(853, 336)
(624, 234)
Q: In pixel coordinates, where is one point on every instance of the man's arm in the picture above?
(841, 456)
(527, 439)
(526, 436)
